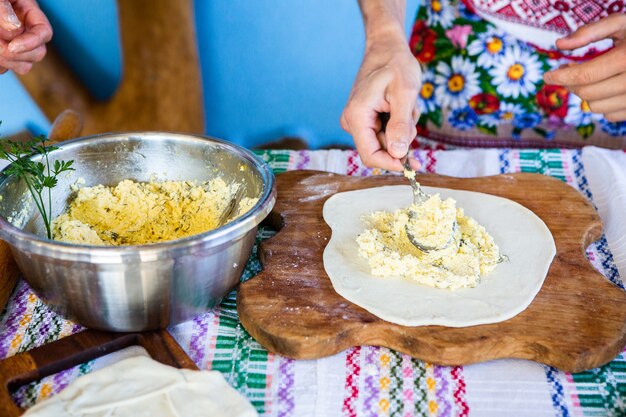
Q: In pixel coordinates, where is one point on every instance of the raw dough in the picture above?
(504, 293)
(134, 213)
(141, 386)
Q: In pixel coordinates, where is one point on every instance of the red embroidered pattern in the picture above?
(562, 16)
(459, 391)
(353, 369)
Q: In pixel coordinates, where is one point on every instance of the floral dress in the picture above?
(483, 63)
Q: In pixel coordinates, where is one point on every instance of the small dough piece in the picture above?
(141, 386)
(502, 294)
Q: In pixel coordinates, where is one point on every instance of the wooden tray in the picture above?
(576, 322)
(70, 351)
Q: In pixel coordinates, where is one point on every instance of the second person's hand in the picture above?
(24, 31)
(601, 81)
(388, 82)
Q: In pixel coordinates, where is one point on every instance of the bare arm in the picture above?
(387, 82)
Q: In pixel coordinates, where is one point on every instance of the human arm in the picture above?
(601, 81)
(387, 82)
(24, 31)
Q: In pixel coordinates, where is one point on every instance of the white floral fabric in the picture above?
(483, 85)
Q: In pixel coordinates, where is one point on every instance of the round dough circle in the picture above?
(508, 290)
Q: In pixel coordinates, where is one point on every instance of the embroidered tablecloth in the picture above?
(374, 381)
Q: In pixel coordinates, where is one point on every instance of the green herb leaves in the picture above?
(40, 177)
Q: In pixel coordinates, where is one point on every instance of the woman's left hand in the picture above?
(601, 81)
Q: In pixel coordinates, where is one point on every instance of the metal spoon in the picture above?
(419, 197)
(229, 210)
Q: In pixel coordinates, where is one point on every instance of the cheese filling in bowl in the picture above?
(133, 213)
(138, 286)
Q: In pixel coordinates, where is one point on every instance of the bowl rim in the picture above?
(36, 244)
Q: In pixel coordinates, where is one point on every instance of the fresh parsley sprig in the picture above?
(40, 177)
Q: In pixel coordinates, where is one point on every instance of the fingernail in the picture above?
(400, 147)
(14, 21)
(15, 47)
(10, 17)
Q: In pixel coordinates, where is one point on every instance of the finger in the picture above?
(7, 35)
(364, 106)
(344, 123)
(618, 116)
(605, 66)
(33, 38)
(36, 55)
(602, 29)
(372, 152)
(360, 115)
(22, 67)
(604, 89)
(8, 19)
(364, 125)
(19, 67)
(415, 115)
(380, 136)
(401, 128)
(608, 105)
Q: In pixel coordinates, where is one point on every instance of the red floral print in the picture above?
(484, 103)
(553, 100)
(422, 42)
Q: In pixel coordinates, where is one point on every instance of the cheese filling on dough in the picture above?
(471, 255)
(134, 213)
(432, 222)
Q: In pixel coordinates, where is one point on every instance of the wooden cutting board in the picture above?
(73, 350)
(576, 322)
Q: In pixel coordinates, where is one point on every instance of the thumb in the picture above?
(8, 19)
(401, 129)
(399, 135)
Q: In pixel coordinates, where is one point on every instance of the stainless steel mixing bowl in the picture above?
(134, 288)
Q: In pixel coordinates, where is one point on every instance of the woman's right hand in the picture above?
(387, 82)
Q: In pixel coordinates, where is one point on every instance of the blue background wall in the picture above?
(269, 68)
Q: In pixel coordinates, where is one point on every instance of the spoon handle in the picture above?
(418, 195)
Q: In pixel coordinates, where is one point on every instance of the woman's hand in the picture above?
(387, 82)
(24, 31)
(601, 82)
